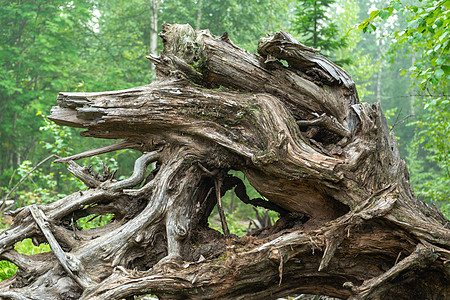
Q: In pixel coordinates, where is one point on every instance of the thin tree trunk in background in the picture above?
(13, 133)
(269, 17)
(380, 71)
(11, 160)
(379, 74)
(315, 25)
(154, 7)
(2, 150)
(413, 90)
(199, 15)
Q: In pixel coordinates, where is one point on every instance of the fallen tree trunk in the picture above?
(350, 225)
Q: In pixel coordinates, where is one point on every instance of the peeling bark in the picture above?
(350, 225)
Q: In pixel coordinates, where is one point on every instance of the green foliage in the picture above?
(433, 132)
(117, 40)
(314, 26)
(27, 247)
(60, 137)
(427, 30)
(51, 46)
(245, 22)
(94, 221)
(390, 113)
(39, 55)
(445, 208)
(426, 34)
(47, 186)
(39, 188)
(56, 182)
(362, 67)
(8, 269)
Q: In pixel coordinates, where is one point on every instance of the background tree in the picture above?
(230, 16)
(314, 26)
(363, 66)
(426, 35)
(31, 70)
(386, 86)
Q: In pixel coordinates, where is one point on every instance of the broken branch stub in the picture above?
(350, 225)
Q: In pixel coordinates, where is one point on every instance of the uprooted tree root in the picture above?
(350, 225)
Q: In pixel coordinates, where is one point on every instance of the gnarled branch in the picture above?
(327, 163)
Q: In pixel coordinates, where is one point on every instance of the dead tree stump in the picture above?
(350, 225)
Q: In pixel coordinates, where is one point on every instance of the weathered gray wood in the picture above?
(69, 263)
(83, 174)
(350, 225)
(118, 146)
(138, 175)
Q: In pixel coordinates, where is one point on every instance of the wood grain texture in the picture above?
(350, 225)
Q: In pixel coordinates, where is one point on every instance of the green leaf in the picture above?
(439, 23)
(374, 14)
(439, 73)
(444, 36)
(444, 45)
(396, 5)
(413, 23)
(417, 36)
(437, 47)
(421, 28)
(440, 60)
(447, 5)
(446, 69)
(385, 14)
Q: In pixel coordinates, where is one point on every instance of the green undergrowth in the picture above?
(8, 269)
(238, 217)
(94, 221)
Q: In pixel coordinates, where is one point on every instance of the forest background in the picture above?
(397, 52)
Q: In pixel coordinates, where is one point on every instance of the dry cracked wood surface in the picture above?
(350, 225)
